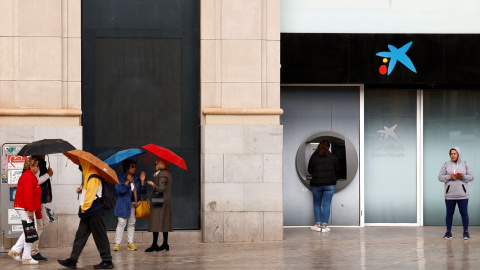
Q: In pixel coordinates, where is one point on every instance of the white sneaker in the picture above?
(29, 261)
(316, 228)
(11, 253)
(325, 229)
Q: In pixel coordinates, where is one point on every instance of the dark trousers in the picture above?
(95, 226)
(463, 207)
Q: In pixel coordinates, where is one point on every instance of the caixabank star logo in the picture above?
(395, 55)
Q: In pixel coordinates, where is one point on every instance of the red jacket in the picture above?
(29, 194)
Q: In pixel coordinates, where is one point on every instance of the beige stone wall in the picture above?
(242, 141)
(40, 67)
(40, 91)
(240, 61)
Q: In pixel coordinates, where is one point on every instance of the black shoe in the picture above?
(39, 257)
(68, 263)
(152, 248)
(164, 246)
(104, 265)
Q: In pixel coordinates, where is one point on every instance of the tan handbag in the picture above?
(143, 208)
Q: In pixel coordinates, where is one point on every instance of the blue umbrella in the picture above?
(117, 158)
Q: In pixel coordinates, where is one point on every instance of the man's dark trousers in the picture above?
(96, 226)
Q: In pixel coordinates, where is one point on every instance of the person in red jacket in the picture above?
(28, 206)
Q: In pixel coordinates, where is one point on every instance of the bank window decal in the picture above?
(386, 132)
(395, 55)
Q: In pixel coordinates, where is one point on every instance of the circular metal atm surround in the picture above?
(339, 146)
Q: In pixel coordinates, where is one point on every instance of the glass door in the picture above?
(390, 157)
(450, 118)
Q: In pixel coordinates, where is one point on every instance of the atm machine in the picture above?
(340, 147)
(312, 114)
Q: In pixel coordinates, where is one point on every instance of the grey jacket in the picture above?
(456, 189)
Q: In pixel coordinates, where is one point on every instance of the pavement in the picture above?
(302, 248)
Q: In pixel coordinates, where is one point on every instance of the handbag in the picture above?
(51, 215)
(143, 209)
(31, 234)
(157, 198)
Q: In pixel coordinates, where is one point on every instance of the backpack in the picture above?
(108, 200)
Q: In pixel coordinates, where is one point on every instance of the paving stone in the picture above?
(302, 248)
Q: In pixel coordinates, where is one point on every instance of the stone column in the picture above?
(242, 139)
(40, 93)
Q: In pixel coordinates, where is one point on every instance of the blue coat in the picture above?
(124, 195)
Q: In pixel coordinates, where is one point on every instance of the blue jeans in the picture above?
(322, 194)
(463, 207)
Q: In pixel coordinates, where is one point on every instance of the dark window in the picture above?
(140, 85)
(138, 91)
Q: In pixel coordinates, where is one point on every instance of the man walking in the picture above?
(91, 215)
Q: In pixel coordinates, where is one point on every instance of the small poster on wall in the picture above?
(13, 217)
(16, 162)
(13, 176)
(13, 192)
(17, 228)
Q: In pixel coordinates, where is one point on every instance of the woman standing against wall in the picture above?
(456, 174)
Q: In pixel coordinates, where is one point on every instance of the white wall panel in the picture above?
(375, 16)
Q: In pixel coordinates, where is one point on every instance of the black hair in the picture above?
(126, 164)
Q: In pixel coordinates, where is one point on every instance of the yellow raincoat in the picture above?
(91, 188)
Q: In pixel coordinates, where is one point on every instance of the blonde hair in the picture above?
(30, 162)
(162, 164)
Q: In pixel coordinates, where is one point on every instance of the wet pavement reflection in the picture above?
(342, 248)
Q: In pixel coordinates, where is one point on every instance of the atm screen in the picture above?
(338, 150)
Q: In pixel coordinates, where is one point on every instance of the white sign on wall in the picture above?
(17, 228)
(13, 217)
(13, 176)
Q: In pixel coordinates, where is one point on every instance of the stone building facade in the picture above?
(241, 136)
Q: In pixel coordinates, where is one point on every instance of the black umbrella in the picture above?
(45, 147)
(106, 154)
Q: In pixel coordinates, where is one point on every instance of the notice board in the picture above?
(11, 170)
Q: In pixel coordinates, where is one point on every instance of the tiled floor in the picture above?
(342, 248)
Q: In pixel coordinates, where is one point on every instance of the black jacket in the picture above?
(324, 170)
(46, 186)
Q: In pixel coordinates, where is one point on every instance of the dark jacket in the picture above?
(324, 170)
(46, 186)
(161, 217)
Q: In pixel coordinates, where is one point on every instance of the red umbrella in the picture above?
(166, 154)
